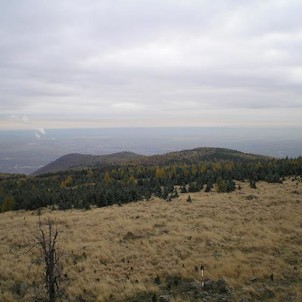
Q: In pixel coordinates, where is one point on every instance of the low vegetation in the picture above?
(248, 241)
(192, 170)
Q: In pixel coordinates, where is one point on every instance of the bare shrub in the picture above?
(47, 284)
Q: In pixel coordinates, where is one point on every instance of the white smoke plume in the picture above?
(39, 133)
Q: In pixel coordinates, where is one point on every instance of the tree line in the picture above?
(119, 184)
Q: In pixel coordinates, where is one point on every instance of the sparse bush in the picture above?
(221, 185)
(253, 184)
(157, 280)
(208, 187)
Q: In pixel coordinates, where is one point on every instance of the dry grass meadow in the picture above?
(250, 238)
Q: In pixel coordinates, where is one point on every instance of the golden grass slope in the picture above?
(251, 238)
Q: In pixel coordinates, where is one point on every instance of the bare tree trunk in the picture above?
(46, 241)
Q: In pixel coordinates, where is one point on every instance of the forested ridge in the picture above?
(164, 176)
(76, 161)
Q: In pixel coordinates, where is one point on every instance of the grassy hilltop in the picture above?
(249, 242)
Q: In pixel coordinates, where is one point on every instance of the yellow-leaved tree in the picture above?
(107, 178)
(8, 204)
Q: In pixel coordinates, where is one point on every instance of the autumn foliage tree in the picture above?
(8, 204)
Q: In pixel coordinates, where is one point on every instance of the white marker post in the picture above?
(202, 276)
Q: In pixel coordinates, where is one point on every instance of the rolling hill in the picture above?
(197, 155)
(77, 161)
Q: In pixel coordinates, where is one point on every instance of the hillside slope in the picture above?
(198, 155)
(249, 238)
(82, 161)
(77, 161)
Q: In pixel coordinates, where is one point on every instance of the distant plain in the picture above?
(28, 150)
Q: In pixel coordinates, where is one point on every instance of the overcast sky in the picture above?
(120, 63)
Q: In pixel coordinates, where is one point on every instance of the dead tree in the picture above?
(46, 240)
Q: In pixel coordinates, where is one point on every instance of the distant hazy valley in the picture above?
(27, 151)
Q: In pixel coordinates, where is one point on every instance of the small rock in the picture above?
(251, 197)
(130, 236)
(164, 298)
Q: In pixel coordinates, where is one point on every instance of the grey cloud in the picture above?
(148, 58)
